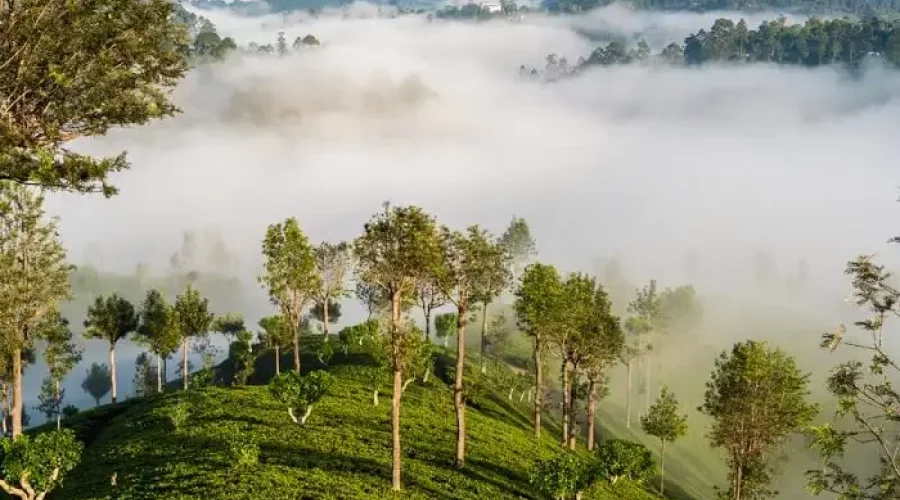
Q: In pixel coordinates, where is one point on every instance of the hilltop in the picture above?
(191, 445)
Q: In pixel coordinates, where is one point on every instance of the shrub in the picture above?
(300, 391)
(563, 477)
(243, 448)
(621, 459)
(32, 466)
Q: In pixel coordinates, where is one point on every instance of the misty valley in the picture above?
(555, 249)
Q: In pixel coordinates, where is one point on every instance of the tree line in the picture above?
(840, 42)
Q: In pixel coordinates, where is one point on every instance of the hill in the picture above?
(192, 445)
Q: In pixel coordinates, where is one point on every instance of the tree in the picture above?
(519, 245)
(537, 310)
(470, 269)
(158, 330)
(144, 377)
(495, 277)
(332, 265)
(97, 382)
(429, 297)
(84, 92)
(7, 385)
(61, 355)
(756, 397)
(193, 319)
(445, 326)
(281, 44)
(290, 275)
(275, 335)
(664, 422)
(620, 459)
(601, 344)
(398, 247)
(646, 320)
(32, 466)
(865, 394)
(240, 351)
(300, 391)
(317, 312)
(228, 325)
(564, 476)
(33, 271)
(372, 297)
(111, 319)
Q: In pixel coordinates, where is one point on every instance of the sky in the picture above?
(641, 164)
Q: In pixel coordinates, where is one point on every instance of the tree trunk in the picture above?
(738, 479)
(649, 362)
(573, 384)
(325, 323)
(165, 362)
(58, 405)
(112, 371)
(159, 385)
(297, 349)
(458, 387)
(483, 336)
(184, 364)
(565, 405)
(397, 392)
(17, 394)
(628, 395)
(395, 428)
(538, 382)
(428, 325)
(662, 467)
(592, 408)
(277, 361)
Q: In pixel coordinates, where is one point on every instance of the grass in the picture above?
(240, 444)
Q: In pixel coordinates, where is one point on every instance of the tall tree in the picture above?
(193, 319)
(466, 273)
(33, 271)
(664, 422)
(158, 330)
(646, 320)
(537, 310)
(290, 275)
(756, 397)
(111, 319)
(275, 335)
(429, 297)
(332, 266)
(66, 81)
(97, 382)
(495, 277)
(397, 249)
(519, 245)
(61, 355)
(602, 343)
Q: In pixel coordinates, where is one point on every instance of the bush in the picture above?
(40, 462)
(69, 411)
(300, 391)
(242, 447)
(564, 476)
(621, 459)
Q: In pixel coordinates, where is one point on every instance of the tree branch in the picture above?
(12, 490)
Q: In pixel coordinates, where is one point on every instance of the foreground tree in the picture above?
(397, 249)
(193, 319)
(34, 274)
(332, 266)
(158, 330)
(111, 319)
(468, 271)
(275, 335)
(61, 355)
(665, 423)
(290, 275)
(865, 394)
(619, 459)
(97, 382)
(537, 309)
(31, 467)
(66, 81)
(756, 397)
(300, 391)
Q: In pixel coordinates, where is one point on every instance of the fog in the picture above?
(644, 164)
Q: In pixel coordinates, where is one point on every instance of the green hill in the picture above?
(189, 445)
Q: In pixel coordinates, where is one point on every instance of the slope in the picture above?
(201, 444)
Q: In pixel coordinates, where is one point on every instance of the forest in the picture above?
(480, 368)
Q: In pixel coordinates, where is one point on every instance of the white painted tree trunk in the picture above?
(375, 397)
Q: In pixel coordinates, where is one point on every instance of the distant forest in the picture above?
(841, 42)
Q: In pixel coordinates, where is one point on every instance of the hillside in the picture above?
(187, 445)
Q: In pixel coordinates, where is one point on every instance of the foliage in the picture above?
(865, 395)
(243, 447)
(519, 245)
(159, 328)
(662, 420)
(620, 459)
(69, 411)
(32, 466)
(537, 300)
(564, 476)
(445, 325)
(274, 332)
(229, 325)
(373, 297)
(300, 391)
(325, 351)
(97, 382)
(354, 336)
(67, 81)
(61, 353)
(144, 376)
(680, 309)
(240, 351)
(49, 402)
(332, 263)
(111, 319)
(289, 274)
(193, 319)
(757, 397)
